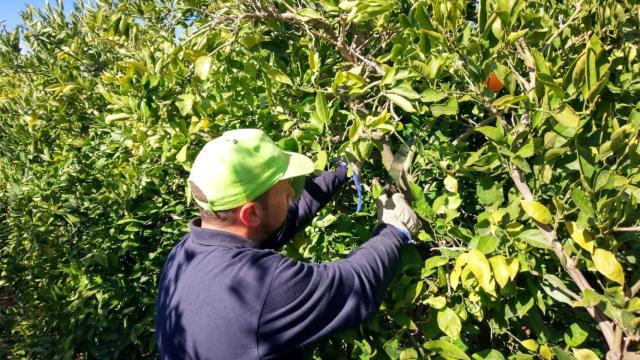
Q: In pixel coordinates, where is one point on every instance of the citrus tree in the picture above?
(512, 126)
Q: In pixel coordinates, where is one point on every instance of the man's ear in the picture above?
(249, 214)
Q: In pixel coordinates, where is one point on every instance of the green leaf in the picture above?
(554, 287)
(491, 132)
(449, 323)
(432, 95)
(514, 36)
(445, 348)
(567, 117)
(505, 101)
(561, 354)
(185, 104)
(580, 199)
(433, 262)
(489, 191)
(420, 204)
(449, 108)
(489, 354)
(405, 321)
(322, 108)
(575, 335)
(202, 66)
(485, 243)
(307, 13)
(321, 160)
(276, 73)
(607, 264)
(535, 238)
(521, 163)
(589, 298)
(405, 91)
(537, 211)
(403, 103)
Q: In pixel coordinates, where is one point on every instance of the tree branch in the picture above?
(563, 26)
(633, 229)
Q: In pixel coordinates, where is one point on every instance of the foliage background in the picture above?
(528, 194)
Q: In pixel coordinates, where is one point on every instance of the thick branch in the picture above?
(576, 275)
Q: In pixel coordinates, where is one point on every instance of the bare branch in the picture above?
(633, 229)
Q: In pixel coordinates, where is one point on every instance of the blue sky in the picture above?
(10, 9)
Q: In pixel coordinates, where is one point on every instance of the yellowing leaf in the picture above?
(479, 266)
(585, 354)
(537, 211)
(113, 117)
(202, 66)
(276, 73)
(451, 184)
(512, 267)
(454, 277)
(314, 60)
(449, 323)
(500, 270)
(580, 236)
(437, 302)
(408, 354)
(401, 102)
(530, 345)
(607, 264)
(567, 117)
(546, 353)
(182, 154)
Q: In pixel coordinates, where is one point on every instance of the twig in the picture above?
(454, 248)
(415, 344)
(635, 288)
(563, 26)
(488, 120)
(633, 229)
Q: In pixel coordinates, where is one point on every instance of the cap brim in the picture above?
(298, 165)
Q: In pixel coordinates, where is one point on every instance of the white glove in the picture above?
(396, 211)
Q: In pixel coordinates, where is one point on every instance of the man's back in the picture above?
(222, 297)
(211, 295)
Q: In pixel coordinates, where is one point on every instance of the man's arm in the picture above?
(308, 301)
(317, 193)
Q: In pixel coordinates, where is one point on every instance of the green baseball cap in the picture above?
(241, 165)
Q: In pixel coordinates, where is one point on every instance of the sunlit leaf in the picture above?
(607, 264)
(537, 211)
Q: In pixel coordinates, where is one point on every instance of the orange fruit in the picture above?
(493, 83)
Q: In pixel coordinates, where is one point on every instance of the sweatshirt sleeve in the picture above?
(317, 193)
(308, 301)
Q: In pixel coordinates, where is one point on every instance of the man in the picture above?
(226, 294)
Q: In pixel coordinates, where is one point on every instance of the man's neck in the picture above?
(239, 230)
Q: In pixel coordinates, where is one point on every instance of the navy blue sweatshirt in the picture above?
(221, 297)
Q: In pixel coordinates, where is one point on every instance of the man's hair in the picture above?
(226, 217)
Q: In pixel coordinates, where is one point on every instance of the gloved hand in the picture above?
(396, 211)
